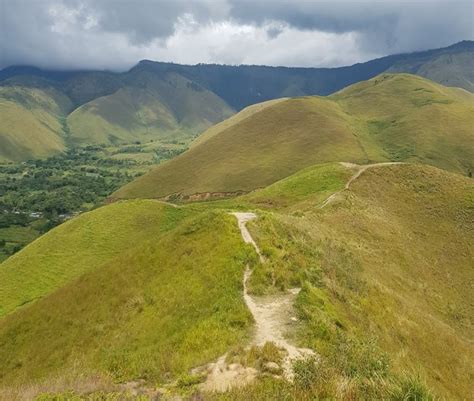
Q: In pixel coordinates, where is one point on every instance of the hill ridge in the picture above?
(392, 117)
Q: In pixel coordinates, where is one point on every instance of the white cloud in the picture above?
(230, 43)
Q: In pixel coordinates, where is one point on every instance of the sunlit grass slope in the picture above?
(80, 245)
(267, 146)
(152, 108)
(307, 188)
(390, 261)
(390, 117)
(412, 119)
(30, 124)
(152, 312)
(243, 114)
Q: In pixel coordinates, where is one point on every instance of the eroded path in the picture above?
(357, 174)
(273, 317)
(273, 314)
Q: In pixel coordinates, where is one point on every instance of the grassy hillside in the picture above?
(148, 312)
(385, 298)
(31, 123)
(122, 117)
(150, 109)
(376, 264)
(412, 119)
(306, 189)
(39, 118)
(391, 117)
(236, 118)
(446, 69)
(80, 245)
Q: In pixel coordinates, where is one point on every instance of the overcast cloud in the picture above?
(116, 34)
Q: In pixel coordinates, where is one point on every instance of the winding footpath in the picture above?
(357, 174)
(272, 314)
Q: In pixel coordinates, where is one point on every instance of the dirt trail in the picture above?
(272, 314)
(273, 317)
(357, 174)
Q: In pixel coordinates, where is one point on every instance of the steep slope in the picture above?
(241, 86)
(445, 68)
(31, 122)
(146, 311)
(78, 246)
(389, 118)
(389, 259)
(152, 108)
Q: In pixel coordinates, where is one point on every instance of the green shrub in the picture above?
(361, 358)
(411, 388)
(187, 380)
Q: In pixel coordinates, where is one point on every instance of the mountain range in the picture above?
(45, 112)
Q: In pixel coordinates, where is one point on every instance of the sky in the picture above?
(116, 34)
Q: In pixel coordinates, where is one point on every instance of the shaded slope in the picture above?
(241, 86)
(389, 118)
(445, 68)
(31, 122)
(222, 126)
(150, 109)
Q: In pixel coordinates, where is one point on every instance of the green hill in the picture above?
(447, 69)
(388, 118)
(39, 120)
(135, 295)
(377, 264)
(31, 122)
(245, 113)
(151, 109)
(78, 246)
(138, 288)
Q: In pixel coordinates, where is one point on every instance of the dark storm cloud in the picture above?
(385, 25)
(145, 20)
(115, 34)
